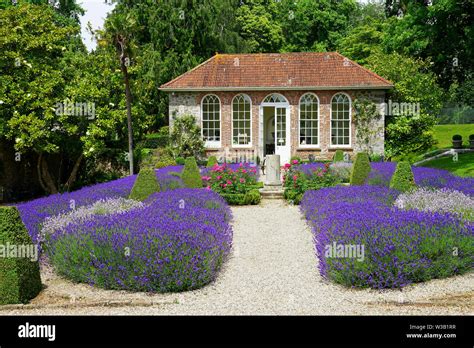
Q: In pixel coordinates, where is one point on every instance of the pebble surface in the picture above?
(272, 271)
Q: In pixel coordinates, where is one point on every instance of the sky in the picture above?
(96, 11)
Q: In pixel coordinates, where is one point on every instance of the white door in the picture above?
(282, 132)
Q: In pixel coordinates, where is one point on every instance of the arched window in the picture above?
(211, 119)
(309, 120)
(241, 121)
(275, 98)
(340, 120)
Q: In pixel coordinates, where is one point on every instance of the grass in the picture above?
(463, 167)
(443, 134)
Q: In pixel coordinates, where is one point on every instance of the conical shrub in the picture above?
(191, 175)
(403, 179)
(145, 184)
(360, 169)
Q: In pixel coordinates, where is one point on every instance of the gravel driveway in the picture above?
(272, 271)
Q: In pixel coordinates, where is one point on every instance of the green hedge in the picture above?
(20, 279)
(211, 161)
(338, 156)
(191, 174)
(360, 169)
(252, 197)
(145, 184)
(403, 179)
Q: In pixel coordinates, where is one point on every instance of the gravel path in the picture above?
(272, 271)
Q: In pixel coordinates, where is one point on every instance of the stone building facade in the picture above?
(287, 106)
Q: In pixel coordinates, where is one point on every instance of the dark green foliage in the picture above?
(457, 137)
(19, 277)
(164, 161)
(180, 161)
(338, 156)
(211, 161)
(293, 196)
(251, 197)
(471, 137)
(402, 179)
(360, 169)
(191, 174)
(145, 184)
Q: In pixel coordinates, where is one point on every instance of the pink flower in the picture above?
(208, 187)
(244, 171)
(229, 182)
(295, 161)
(219, 177)
(287, 165)
(224, 185)
(241, 164)
(206, 178)
(295, 177)
(320, 173)
(242, 180)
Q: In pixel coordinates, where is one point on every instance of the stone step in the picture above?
(271, 193)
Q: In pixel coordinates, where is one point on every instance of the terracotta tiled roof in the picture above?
(306, 70)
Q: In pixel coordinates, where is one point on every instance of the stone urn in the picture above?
(457, 141)
(471, 141)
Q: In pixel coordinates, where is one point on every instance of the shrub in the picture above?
(253, 197)
(403, 179)
(191, 175)
(441, 200)
(19, 277)
(234, 198)
(471, 137)
(231, 178)
(145, 184)
(178, 242)
(211, 161)
(338, 156)
(399, 247)
(375, 157)
(180, 161)
(297, 179)
(185, 137)
(164, 158)
(295, 158)
(360, 169)
(457, 137)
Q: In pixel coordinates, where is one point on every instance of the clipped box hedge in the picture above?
(252, 197)
(20, 279)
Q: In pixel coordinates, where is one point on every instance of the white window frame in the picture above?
(250, 144)
(344, 146)
(309, 146)
(211, 144)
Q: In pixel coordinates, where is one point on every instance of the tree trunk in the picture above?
(75, 169)
(128, 97)
(45, 179)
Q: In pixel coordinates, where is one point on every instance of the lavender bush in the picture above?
(178, 242)
(341, 170)
(82, 214)
(399, 247)
(425, 177)
(168, 177)
(440, 200)
(34, 212)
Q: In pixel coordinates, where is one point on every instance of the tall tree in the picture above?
(119, 32)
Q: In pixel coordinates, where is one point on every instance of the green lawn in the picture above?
(463, 167)
(443, 133)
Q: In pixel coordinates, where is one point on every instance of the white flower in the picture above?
(17, 140)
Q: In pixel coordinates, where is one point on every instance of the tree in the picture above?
(119, 32)
(407, 132)
(32, 83)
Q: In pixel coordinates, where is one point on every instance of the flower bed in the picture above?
(398, 246)
(299, 178)
(425, 177)
(34, 212)
(177, 242)
(168, 177)
(236, 183)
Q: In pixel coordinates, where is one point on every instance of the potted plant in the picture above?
(471, 141)
(457, 141)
